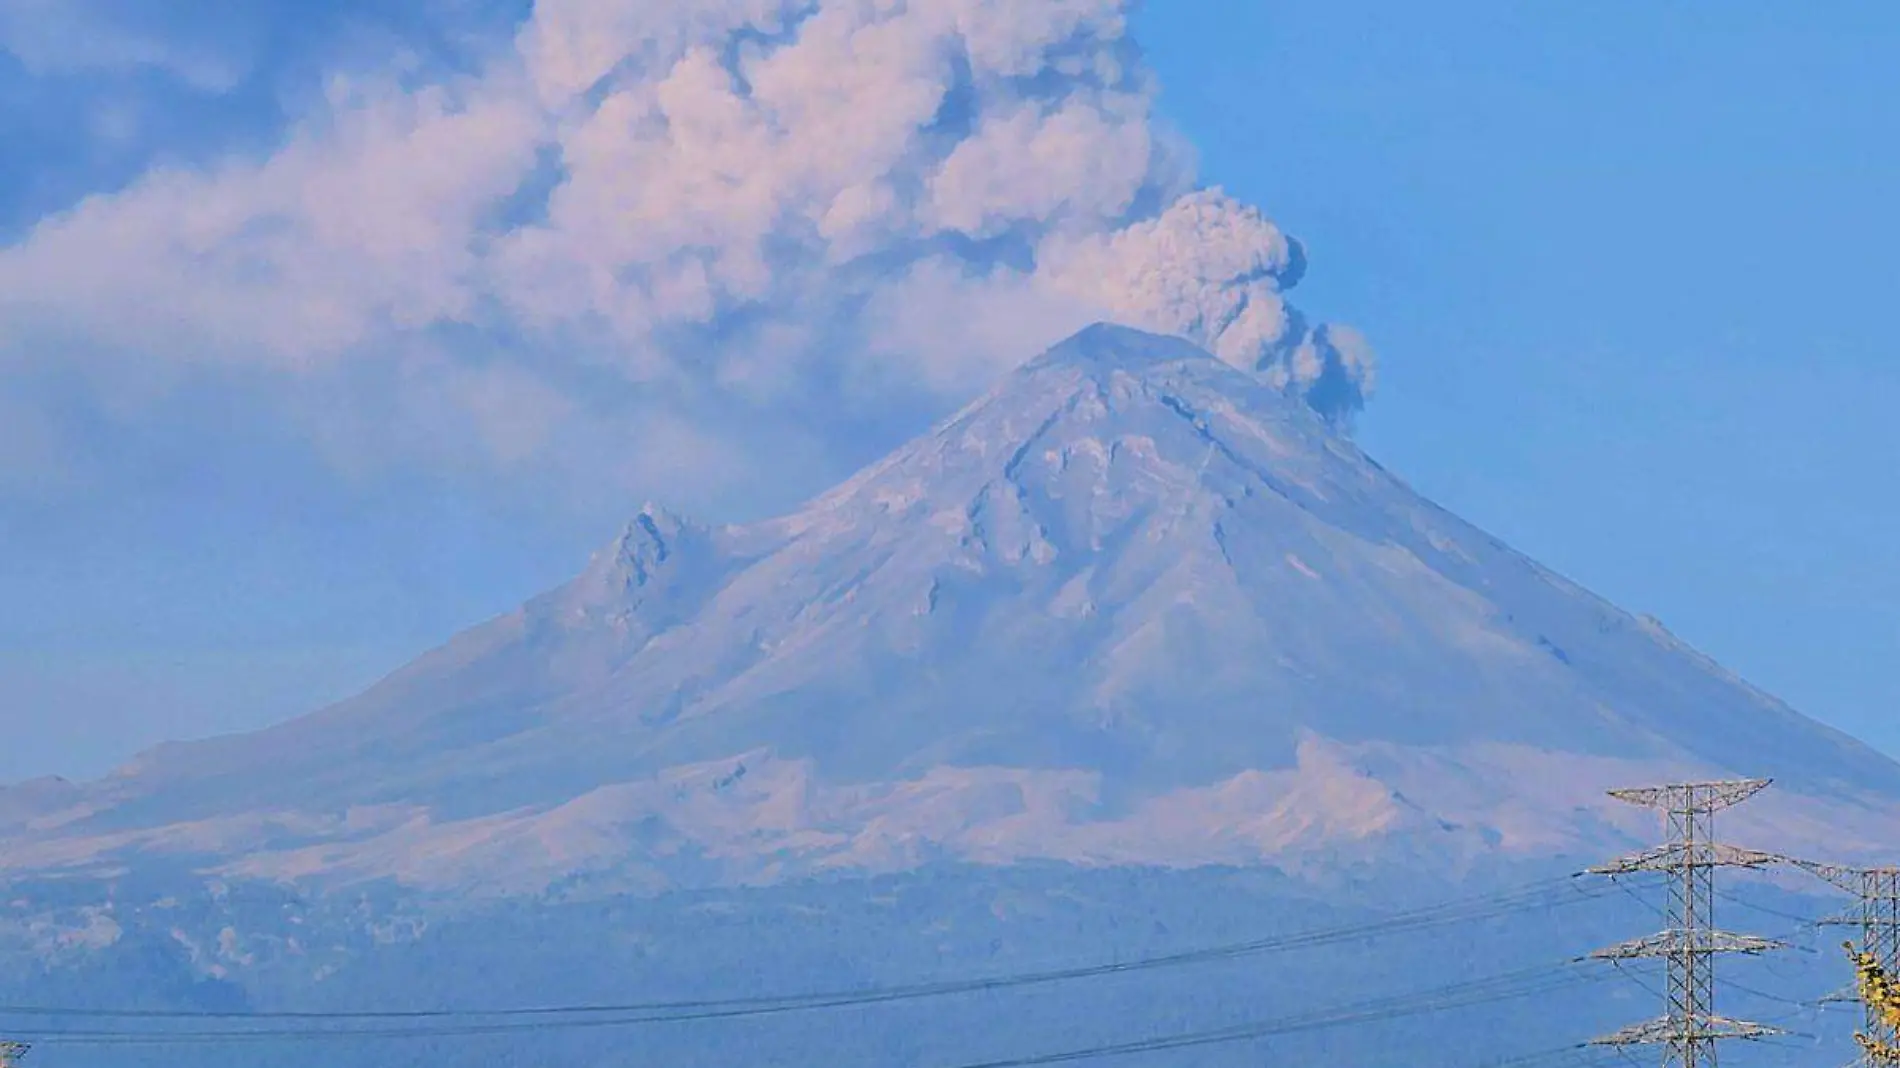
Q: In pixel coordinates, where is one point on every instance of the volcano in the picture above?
(1131, 606)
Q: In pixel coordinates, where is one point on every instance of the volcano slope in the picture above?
(1133, 654)
(1131, 606)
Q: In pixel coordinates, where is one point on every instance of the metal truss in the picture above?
(1689, 1030)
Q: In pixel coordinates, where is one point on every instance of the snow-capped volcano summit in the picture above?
(1131, 604)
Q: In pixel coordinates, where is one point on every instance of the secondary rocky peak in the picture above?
(649, 540)
(655, 544)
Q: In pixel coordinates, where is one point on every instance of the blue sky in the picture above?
(1626, 270)
(1630, 266)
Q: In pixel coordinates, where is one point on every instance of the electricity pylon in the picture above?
(11, 1052)
(1689, 1029)
(1876, 915)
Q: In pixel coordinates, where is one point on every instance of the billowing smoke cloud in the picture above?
(1215, 270)
(760, 219)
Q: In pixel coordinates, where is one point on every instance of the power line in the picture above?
(1492, 989)
(515, 1020)
(1460, 911)
(1778, 999)
(1254, 1032)
(1753, 906)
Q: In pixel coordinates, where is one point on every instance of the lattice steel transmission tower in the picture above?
(1689, 1028)
(1876, 916)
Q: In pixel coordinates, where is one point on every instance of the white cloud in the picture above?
(364, 223)
(734, 209)
(951, 329)
(1077, 167)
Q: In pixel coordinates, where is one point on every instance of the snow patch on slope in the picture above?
(756, 818)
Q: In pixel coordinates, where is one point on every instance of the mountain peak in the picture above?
(1118, 607)
(1096, 434)
(1109, 345)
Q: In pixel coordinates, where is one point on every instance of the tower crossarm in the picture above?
(1856, 881)
(1677, 856)
(1679, 943)
(12, 1052)
(1843, 996)
(1676, 1028)
(1706, 797)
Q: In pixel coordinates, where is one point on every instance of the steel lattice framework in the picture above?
(11, 1052)
(1689, 1029)
(1876, 916)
